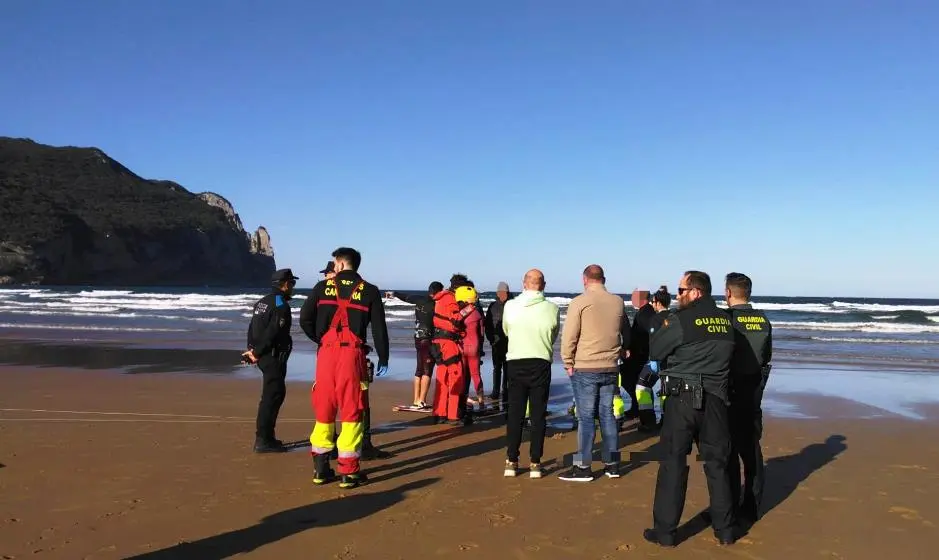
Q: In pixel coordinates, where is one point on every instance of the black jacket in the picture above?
(753, 349)
(316, 316)
(423, 314)
(639, 338)
(269, 331)
(493, 324)
(657, 320)
(697, 344)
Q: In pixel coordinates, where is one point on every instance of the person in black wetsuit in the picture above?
(423, 335)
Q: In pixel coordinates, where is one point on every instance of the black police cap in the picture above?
(283, 275)
(330, 266)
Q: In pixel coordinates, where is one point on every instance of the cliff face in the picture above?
(76, 216)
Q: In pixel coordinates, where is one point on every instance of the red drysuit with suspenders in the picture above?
(340, 375)
(449, 377)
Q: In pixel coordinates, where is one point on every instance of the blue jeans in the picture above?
(590, 390)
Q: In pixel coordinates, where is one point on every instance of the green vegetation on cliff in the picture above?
(75, 216)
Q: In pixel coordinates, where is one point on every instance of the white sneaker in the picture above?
(534, 471)
(511, 469)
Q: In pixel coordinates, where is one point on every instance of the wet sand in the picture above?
(96, 464)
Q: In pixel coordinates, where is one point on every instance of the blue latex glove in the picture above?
(381, 370)
(654, 366)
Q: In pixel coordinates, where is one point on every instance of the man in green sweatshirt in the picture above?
(531, 324)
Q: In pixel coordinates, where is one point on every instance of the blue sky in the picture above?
(794, 141)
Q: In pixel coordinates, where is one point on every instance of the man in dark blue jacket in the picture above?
(269, 346)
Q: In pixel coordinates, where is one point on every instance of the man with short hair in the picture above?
(423, 335)
(269, 346)
(498, 342)
(531, 323)
(696, 343)
(638, 347)
(336, 317)
(749, 372)
(596, 332)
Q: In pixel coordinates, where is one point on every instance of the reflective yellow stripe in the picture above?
(350, 439)
(619, 406)
(644, 397)
(321, 439)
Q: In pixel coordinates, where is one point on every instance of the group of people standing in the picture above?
(449, 336)
(336, 317)
(713, 365)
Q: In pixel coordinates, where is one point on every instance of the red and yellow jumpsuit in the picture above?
(340, 387)
(445, 348)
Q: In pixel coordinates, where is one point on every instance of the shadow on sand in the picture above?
(782, 475)
(406, 467)
(281, 525)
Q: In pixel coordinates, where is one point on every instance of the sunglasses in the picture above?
(683, 290)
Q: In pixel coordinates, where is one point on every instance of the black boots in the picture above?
(322, 472)
(268, 446)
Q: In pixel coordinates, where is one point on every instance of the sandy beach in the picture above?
(109, 465)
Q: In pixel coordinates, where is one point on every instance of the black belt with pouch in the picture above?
(674, 387)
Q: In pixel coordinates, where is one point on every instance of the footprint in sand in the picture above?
(500, 519)
(468, 546)
(910, 515)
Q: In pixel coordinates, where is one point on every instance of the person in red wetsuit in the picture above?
(447, 353)
(472, 345)
(336, 316)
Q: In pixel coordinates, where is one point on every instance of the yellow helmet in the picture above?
(466, 293)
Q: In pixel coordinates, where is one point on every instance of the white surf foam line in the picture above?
(85, 328)
(883, 307)
(146, 414)
(872, 327)
(872, 340)
(109, 315)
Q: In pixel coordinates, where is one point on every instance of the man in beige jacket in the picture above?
(595, 337)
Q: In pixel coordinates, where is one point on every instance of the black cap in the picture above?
(283, 275)
(330, 266)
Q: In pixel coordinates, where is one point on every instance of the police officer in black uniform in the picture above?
(749, 372)
(269, 346)
(697, 343)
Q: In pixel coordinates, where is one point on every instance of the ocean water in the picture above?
(901, 333)
(883, 353)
